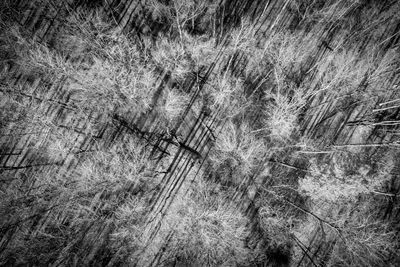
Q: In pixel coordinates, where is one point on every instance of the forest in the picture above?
(200, 133)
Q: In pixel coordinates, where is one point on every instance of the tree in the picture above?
(346, 204)
(281, 117)
(107, 69)
(332, 181)
(236, 152)
(183, 15)
(207, 230)
(98, 211)
(170, 108)
(365, 241)
(173, 56)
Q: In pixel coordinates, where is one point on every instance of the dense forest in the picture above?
(200, 133)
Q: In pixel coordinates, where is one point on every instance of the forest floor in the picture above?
(199, 133)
